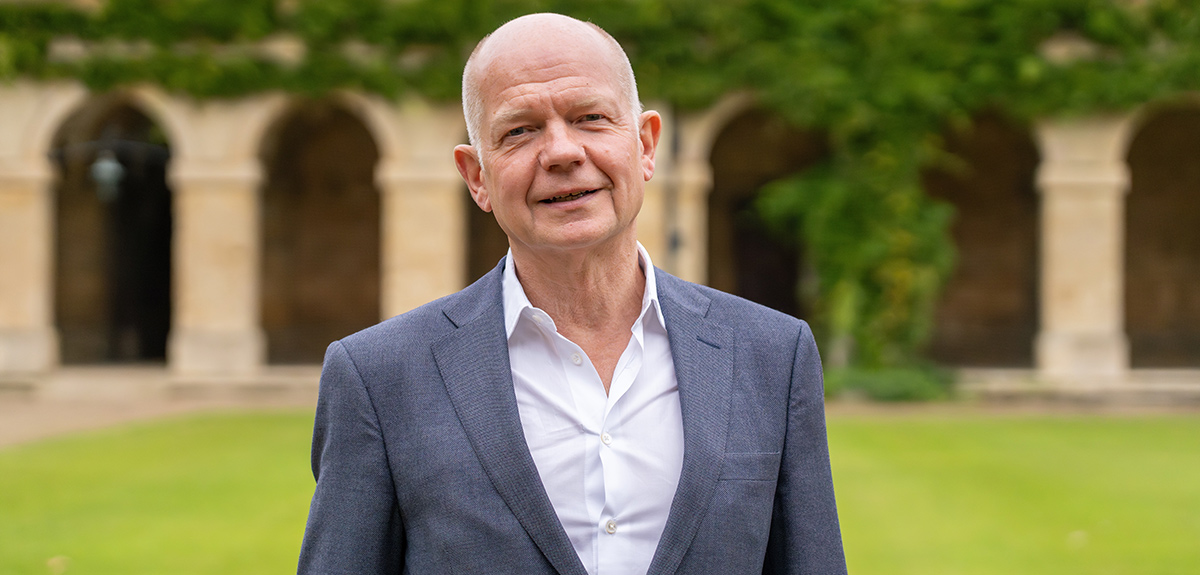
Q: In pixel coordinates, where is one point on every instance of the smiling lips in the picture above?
(568, 197)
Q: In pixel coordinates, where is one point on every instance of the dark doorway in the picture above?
(113, 232)
(321, 232)
(987, 315)
(1162, 247)
(486, 242)
(744, 257)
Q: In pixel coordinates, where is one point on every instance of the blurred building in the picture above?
(217, 239)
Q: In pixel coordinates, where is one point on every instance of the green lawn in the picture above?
(215, 494)
(227, 494)
(1062, 496)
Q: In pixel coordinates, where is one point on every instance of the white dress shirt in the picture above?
(610, 462)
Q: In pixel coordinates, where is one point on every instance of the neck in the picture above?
(592, 291)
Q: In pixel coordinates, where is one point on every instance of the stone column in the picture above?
(1083, 180)
(691, 176)
(30, 113)
(423, 235)
(28, 340)
(216, 328)
(694, 182)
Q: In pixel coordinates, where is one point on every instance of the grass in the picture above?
(1071, 495)
(228, 494)
(215, 494)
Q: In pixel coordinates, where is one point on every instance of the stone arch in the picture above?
(744, 257)
(113, 233)
(320, 230)
(1162, 231)
(699, 135)
(988, 311)
(50, 106)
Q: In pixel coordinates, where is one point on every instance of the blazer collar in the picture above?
(473, 361)
(703, 356)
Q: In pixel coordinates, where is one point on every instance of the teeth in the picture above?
(568, 197)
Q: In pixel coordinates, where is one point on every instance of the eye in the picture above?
(592, 117)
(516, 131)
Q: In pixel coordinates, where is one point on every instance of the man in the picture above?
(575, 410)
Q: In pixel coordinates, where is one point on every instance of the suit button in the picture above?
(610, 527)
(606, 438)
(576, 359)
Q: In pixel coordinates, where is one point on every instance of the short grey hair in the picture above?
(472, 101)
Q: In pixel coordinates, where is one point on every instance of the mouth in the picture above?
(569, 196)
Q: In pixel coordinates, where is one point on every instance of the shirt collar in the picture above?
(516, 302)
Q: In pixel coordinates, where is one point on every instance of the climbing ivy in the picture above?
(883, 79)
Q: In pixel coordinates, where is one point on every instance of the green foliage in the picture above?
(915, 383)
(881, 78)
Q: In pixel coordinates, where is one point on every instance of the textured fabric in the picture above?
(610, 463)
(422, 466)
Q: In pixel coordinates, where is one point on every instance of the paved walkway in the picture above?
(73, 400)
(24, 420)
(78, 399)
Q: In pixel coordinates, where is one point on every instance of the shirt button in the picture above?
(537, 319)
(576, 359)
(610, 527)
(606, 438)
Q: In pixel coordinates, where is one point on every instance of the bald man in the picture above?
(576, 410)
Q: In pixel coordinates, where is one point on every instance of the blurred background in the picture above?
(991, 205)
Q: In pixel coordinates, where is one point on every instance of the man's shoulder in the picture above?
(716, 305)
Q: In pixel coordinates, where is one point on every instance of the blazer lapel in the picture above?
(473, 362)
(703, 357)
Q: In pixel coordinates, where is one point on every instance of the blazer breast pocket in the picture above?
(750, 466)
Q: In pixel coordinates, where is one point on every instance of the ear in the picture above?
(649, 129)
(471, 170)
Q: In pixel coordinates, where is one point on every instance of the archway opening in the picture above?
(744, 256)
(320, 232)
(113, 235)
(987, 315)
(486, 242)
(1162, 247)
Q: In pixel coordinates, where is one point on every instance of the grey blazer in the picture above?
(422, 466)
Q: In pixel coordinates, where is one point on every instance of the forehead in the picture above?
(526, 60)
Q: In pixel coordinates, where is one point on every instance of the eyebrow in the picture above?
(514, 114)
(510, 115)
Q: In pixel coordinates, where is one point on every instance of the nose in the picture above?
(561, 147)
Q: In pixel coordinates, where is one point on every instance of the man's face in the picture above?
(562, 160)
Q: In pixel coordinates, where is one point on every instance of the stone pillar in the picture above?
(216, 324)
(653, 222)
(30, 113)
(28, 340)
(694, 182)
(1083, 180)
(423, 235)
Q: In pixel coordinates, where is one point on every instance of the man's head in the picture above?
(560, 150)
(472, 102)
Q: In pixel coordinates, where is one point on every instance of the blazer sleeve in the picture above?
(354, 523)
(805, 537)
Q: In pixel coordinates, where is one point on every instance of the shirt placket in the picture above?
(614, 542)
(600, 417)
